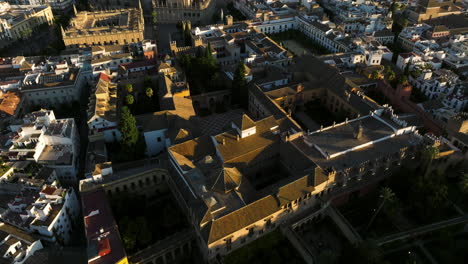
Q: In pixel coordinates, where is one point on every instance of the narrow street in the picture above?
(83, 129)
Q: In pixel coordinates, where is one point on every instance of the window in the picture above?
(228, 243)
(159, 139)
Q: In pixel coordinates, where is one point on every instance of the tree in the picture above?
(128, 128)
(154, 16)
(407, 68)
(129, 88)
(239, 85)
(404, 22)
(144, 233)
(129, 99)
(428, 196)
(391, 75)
(209, 60)
(208, 53)
(386, 194)
(375, 75)
(416, 72)
(388, 69)
(187, 35)
(403, 79)
(149, 92)
(127, 228)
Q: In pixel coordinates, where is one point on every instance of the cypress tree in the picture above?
(239, 85)
(128, 128)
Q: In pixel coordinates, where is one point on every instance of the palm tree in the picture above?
(386, 194)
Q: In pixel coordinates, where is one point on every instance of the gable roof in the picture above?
(244, 122)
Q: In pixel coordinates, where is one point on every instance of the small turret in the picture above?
(358, 131)
(229, 20)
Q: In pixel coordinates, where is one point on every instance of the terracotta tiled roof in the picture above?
(226, 180)
(245, 122)
(9, 101)
(242, 218)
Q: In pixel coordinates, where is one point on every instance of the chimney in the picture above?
(358, 132)
(224, 142)
(237, 137)
(229, 20)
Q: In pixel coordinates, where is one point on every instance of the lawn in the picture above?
(271, 248)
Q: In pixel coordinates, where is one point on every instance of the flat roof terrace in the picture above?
(336, 139)
(357, 141)
(355, 158)
(104, 21)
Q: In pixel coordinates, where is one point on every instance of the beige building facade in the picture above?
(18, 21)
(430, 9)
(121, 26)
(173, 11)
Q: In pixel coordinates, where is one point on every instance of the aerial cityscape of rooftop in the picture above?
(233, 131)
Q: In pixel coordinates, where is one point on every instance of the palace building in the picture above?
(173, 11)
(264, 169)
(18, 21)
(119, 26)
